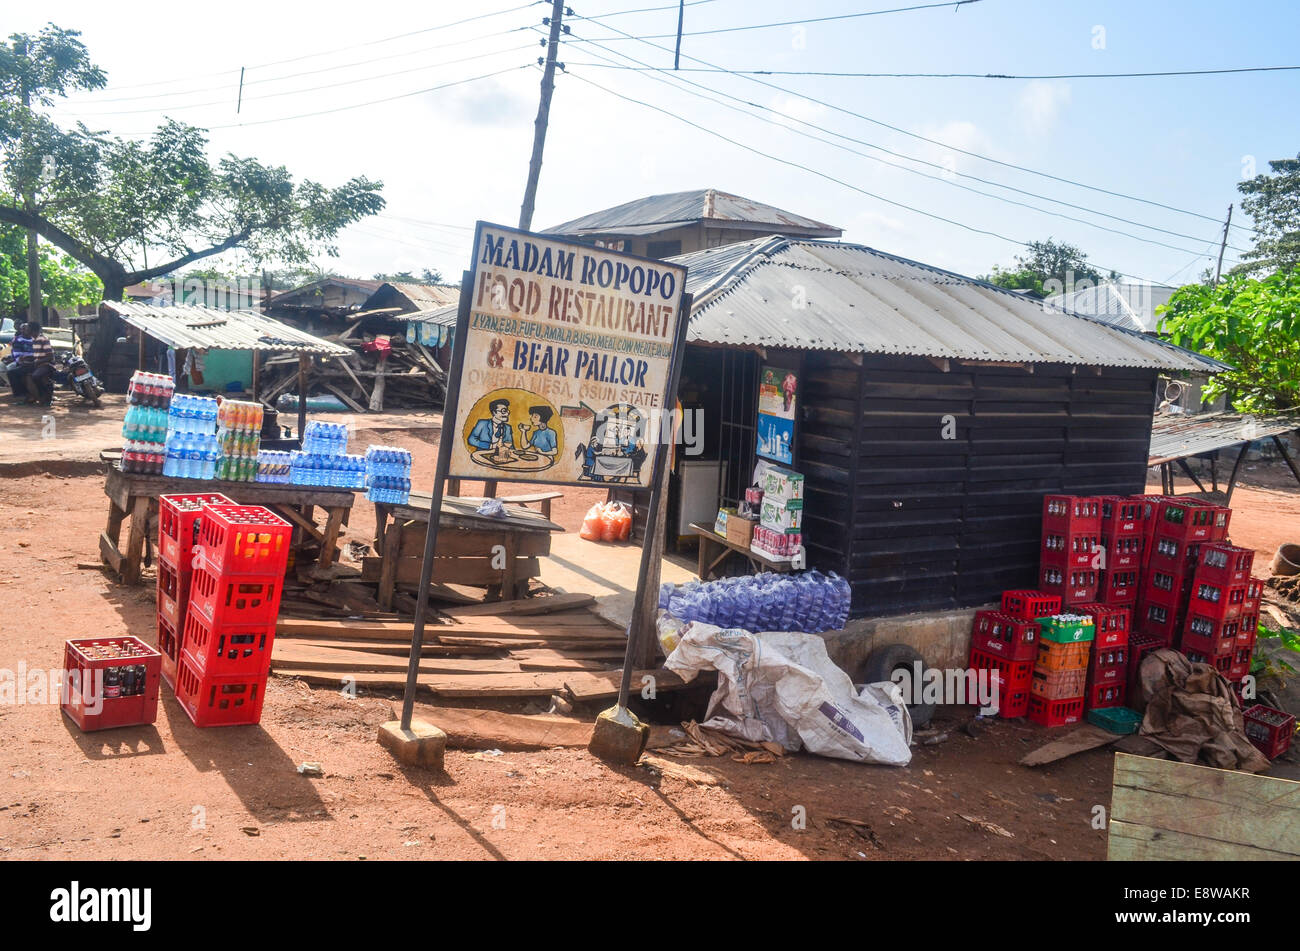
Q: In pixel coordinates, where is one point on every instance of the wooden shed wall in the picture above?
(920, 522)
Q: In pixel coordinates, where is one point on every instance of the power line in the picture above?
(852, 75)
(945, 171)
(915, 135)
(298, 92)
(668, 6)
(818, 173)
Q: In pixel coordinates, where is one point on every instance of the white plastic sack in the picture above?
(783, 687)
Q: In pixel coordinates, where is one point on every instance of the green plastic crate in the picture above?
(1116, 719)
(1066, 632)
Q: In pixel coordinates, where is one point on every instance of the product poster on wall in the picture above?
(776, 402)
(566, 361)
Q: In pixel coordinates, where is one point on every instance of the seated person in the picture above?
(543, 438)
(493, 433)
(21, 361)
(40, 381)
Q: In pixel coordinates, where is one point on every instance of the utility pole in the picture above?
(543, 117)
(1223, 246)
(677, 53)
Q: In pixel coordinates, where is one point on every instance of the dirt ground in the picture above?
(174, 791)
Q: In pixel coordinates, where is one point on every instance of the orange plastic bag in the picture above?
(624, 522)
(616, 522)
(591, 524)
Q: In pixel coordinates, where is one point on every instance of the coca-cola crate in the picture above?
(1066, 550)
(1071, 513)
(1122, 551)
(1108, 665)
(1211, 636)
(1269, 729)
(1219, 526)
(1189, 519)
(228, 650)
(1030, 605)
(1247, 630)
(1222, 662)
(1118, 587)
(1103, 695)
(1254, 591)
(1217, 601)
(177, 515)
(1139, 646)
(1110, 624)
(1055, 712)
(109, 682)
(169, 646)
(1171, 554)
(235, 599)
(1121, 515)
(243, 540)
(173, 594)
(1158, 621)
(1241, 658)
(1073, 586)
(1056, 656)
(1058, 684)
(1004, 636)
(1224, 564)
(210, 700)
(1010, 681)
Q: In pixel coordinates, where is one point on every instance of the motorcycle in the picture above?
(74, 372)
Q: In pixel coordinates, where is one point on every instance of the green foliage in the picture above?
(1273, 202)
(1050, 267)
(1254, 325)
(427, 276)
(64, 283)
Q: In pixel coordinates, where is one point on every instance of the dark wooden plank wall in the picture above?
(919, 522)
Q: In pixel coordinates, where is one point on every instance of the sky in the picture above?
(315, 86)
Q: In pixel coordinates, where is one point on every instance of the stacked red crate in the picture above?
(1070, 558)
(1123, 542)
(1108, 667)
(178, 518)
(230, 627)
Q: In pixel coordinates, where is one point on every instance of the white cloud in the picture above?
(1041, 104)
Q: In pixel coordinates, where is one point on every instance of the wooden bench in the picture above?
(715, 549)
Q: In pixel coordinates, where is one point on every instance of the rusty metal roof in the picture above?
(827, 295)
(185, 326)
(1179, 435)
(709, 205)
(424, 296)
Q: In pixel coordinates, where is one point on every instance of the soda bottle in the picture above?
(112, 684)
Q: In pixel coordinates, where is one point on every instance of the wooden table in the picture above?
(499, 554)
(136, 497)
(715, 548)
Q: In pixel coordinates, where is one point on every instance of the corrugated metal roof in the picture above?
(683, 208)
(186, 326)
(426, 296)
(1179, 435)
(1127, 305)
(825, 295)
(310, 290)
(444, 316)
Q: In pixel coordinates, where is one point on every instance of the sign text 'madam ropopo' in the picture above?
(632, 297)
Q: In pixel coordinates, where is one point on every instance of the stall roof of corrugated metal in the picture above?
(682, 208)
(185, 326)
(826, 295)
(424, 296)
(1179, 435)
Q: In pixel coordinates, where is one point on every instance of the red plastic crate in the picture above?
(1159, 621)
(1254, 591)
(1121, 551)
(1067, 550)
(176, 517)
(1171, 554)
(243, 540)
(1010, 681)
(1121, 515)
(1222, 662)
(218, 701)
(1269, 729)
(1030, 605)
(1210, 636)
(169, 646)
(1004, 636)
(1108, 665)
(1075, 586)
(1110, 622)
(1102, 695)
(1117, 587)
(1140, 645)
(235, 599)
(228, 650)
(1247, 630)
(1188, 519)
(1219, 527)
(1055, 712)
(1216, 601)
(173, 594)
(1071, 513)
(1224, 564)
(86, 698)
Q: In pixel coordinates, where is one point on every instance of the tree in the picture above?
(1254, 325)
(116, 206)
(427, 276)
(64, 283)
(1050, 267)
(1273, 203)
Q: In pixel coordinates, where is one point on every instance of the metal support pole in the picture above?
(1236, 467)
(445, 438)
(1286, 456)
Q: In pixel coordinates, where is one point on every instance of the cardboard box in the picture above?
(782, 485)
(739, 530)
(784, 517)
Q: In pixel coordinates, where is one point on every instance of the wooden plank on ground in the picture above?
(604, 686)
(403, 630)
(397, 648)
(452, 685)
(549, 605)
(1164, 810)
(1086, 737)
(471, 729)
(287, 655)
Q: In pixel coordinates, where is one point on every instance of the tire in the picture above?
(880, 665)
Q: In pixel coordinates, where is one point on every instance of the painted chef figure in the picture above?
(494, 434)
